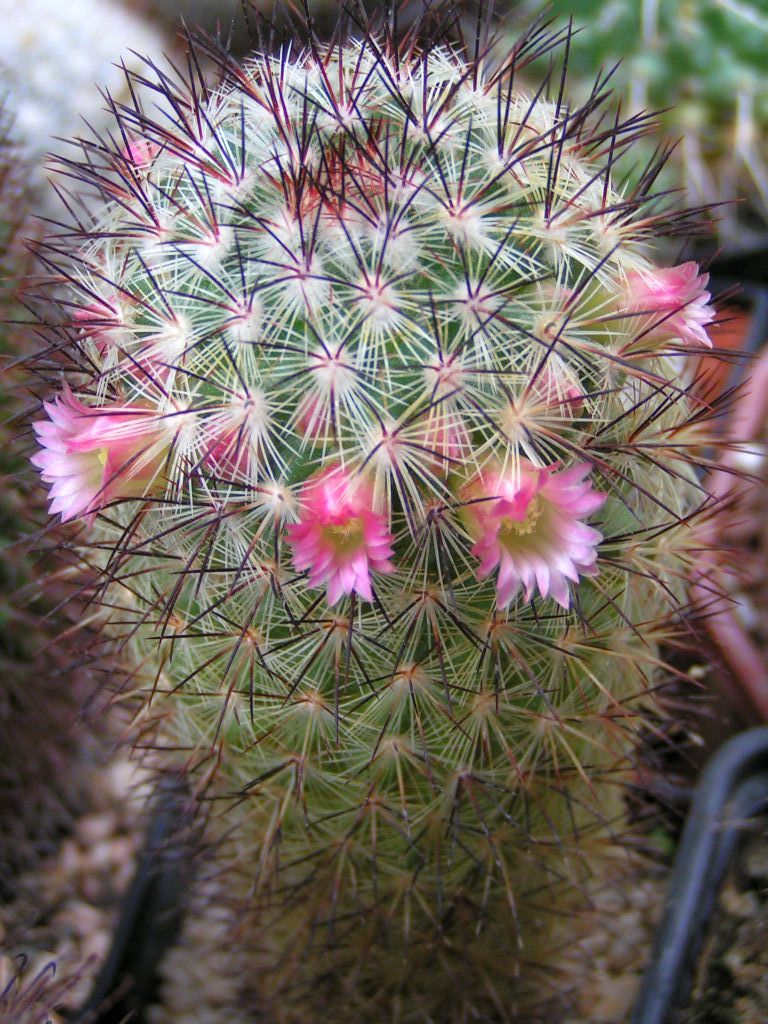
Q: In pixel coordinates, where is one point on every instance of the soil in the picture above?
(731, 982)
(55, 932)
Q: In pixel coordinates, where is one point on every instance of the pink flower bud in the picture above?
(100, 322)
(444, 441)
(140, 152)
(92, 457)
(314, 419)
(556, 388)
(675, 300)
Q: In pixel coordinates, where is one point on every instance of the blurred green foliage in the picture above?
(704, 65)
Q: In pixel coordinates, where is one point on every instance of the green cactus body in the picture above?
(337, 339)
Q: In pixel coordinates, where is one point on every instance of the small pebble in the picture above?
(74, 893)
(616, 1001)
(738, 904)
(95, 827)
(7, 970)
(756, 863)
(70, 859)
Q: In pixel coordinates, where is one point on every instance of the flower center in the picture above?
(511, 528)
(346, 538)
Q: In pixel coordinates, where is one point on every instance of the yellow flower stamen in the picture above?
(511, 528)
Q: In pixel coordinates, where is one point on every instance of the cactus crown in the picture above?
(375, 411)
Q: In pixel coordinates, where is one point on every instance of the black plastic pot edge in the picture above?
(732, 789)
(748, 265)
(151, 915)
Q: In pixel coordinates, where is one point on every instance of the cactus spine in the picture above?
(372, 407)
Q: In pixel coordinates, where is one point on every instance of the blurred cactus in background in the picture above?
(366, 392)
(37, 712)
(702, 64)
(53, 60)
(55, 747)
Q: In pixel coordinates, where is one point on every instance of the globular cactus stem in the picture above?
(369, 392)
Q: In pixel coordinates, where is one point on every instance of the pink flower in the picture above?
(140, 152)
(529, 524)
(93, 456)
(339, 538)
(677, 299)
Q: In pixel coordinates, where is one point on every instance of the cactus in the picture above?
(30, 994)
(370, 404)
(702, 65)
(40, 787)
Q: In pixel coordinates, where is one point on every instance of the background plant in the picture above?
(374, 410)
(41, 695)
(702, 67)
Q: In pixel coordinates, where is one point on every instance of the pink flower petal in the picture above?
(340, 539)
(91, 457)
(533, 532)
